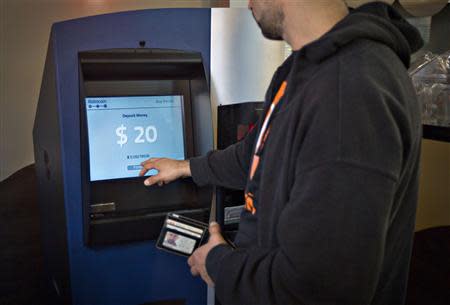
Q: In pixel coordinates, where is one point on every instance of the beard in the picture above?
(271, 24)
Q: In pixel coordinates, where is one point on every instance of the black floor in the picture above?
(21, 265)
(429, 275)
(21, 262)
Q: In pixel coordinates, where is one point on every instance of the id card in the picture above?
(181, 235)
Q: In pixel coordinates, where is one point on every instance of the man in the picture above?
(330, 174)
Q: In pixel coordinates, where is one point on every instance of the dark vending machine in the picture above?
(118, 89)
(234, 122)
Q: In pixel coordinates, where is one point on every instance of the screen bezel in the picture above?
(183, 118)
(94, 89)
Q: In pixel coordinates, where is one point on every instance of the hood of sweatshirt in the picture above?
(375, 21)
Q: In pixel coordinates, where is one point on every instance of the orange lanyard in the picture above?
(265, 128)
(249, 197)
(275, 102)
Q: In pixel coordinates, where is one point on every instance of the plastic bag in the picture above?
(431, 78)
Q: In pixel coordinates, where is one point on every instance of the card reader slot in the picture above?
(104, 232)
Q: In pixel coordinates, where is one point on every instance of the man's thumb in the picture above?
(214, 228)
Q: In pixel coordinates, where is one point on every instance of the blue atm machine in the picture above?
(118, 89)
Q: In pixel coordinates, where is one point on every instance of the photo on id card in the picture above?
(181, 235)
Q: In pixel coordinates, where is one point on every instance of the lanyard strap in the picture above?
(265, 128)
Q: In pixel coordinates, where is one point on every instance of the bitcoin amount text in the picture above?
(143, 135)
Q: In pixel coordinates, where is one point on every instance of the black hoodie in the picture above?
(337, 181)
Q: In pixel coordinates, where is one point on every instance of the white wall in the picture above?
(24, 32)
(257, 62)
(242, 60)
(238, 3)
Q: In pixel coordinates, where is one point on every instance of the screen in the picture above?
(124, 131)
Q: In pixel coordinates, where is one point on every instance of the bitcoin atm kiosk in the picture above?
(106, 104)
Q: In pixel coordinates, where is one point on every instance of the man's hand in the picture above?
(168, 170)
(197, 261)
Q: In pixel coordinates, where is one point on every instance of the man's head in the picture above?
(298, 22)
(270, 17)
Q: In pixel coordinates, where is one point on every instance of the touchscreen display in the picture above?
(124, 131)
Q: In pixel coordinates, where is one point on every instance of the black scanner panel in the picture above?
(234, 122)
